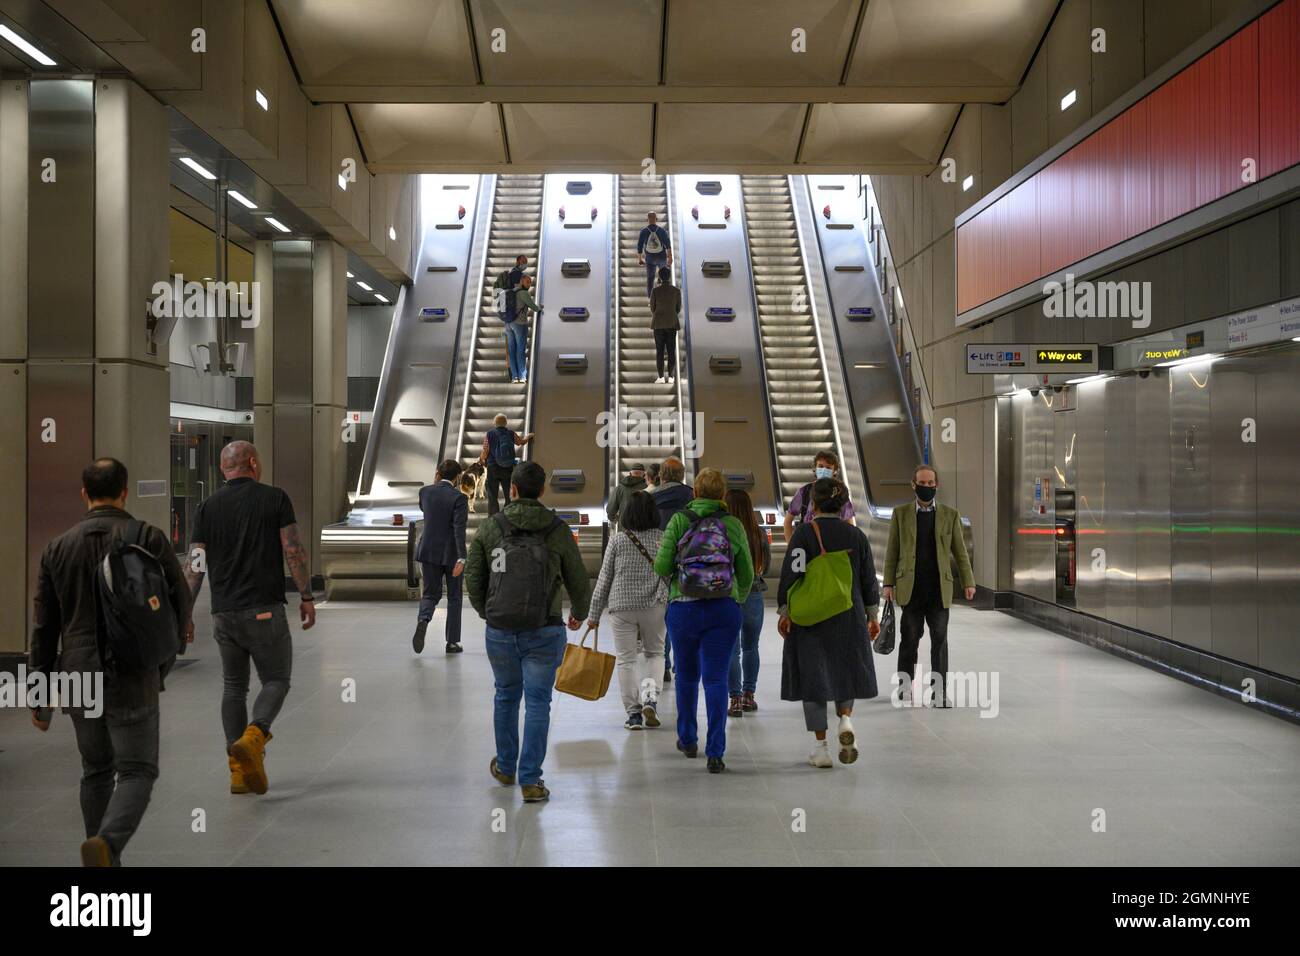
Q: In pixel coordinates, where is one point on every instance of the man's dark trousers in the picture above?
(434, 577)
(498, 476)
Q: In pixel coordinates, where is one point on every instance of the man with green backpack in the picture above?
(827, 606)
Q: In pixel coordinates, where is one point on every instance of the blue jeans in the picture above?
(517, 347)
(652, 265)
(524, 665)
(704, 635)
(751, 627)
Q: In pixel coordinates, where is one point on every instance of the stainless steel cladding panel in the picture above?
(13, 476)
(1033, 520)
(881, 413)
(731, 407)
(411, 405)
(292, 444)
(1191, 545)
(1119, 542)
(1232, 510)
(567, 405)
(1085, 453)
(1277, 394)
(1151, 519)
(291, 315)
(60, 441)
(61, 219)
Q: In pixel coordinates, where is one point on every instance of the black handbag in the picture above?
(884, 642)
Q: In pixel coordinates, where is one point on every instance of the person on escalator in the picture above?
(518, 303)
(632, 482)
(498, 455)
(653, 250)
(825, 465)
(665, 309)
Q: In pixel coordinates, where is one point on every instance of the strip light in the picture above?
(364, 286)
(262, 101)
(278, 224)
(33, 52)
(186, 161)
(241, 199)
(1086, 379)
(1189, 360)
(1068, 99)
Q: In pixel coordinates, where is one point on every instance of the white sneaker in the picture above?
(820, 756)
(848, 752)
(659, 380)
(670, 380)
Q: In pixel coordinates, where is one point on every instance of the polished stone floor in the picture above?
(1178, 776)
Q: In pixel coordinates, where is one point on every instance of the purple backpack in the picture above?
(704, 568)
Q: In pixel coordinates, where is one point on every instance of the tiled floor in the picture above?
(400, 776)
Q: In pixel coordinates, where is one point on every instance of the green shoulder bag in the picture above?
(826, 588)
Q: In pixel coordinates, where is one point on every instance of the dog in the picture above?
(473, 484)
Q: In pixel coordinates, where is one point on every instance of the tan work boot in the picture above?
(249, 751)
(237, 782)
(96, 852)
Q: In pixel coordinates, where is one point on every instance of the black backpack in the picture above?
(519, 594)
(501, 446)
(140, 627)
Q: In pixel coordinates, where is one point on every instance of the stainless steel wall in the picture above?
(1187, 529)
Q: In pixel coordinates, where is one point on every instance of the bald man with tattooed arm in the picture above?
(244, 535)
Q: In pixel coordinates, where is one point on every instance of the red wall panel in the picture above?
(1178, 148)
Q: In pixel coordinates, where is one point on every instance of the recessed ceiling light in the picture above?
(1086, 379)
(1068, 99)
(967, 183)
(186, 161)
(26, 47)
(262, 101)
(278, 224)
(380, 297)
(349, 274)
(241, 199)
(392, 233)
(343, 182)
(366, 287)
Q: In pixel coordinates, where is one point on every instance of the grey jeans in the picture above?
(814, 713)
(259, 634)
(121, 743)
(639, 651)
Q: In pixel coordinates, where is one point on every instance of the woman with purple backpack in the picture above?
(705, 555)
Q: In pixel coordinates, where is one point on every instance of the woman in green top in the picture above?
(713, 559)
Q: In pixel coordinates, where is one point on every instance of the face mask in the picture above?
(926, 494)
(824, 472)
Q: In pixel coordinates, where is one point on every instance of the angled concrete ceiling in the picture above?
(525, 85)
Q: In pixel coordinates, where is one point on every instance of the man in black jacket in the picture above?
(441, 552)
(671, 495)
(123, 740)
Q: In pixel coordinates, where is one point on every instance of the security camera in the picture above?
(1144, 373)
(1034, 391)
(1056, 389)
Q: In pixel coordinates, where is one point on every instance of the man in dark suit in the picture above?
(441, 552)
(925, 540)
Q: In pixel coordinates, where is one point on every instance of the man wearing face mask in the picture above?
(825, 465)
(924, 539)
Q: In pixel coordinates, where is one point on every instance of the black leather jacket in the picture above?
(65, 622)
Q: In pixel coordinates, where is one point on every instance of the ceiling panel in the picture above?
(876, 135)
(749, 42)
(400, 136)
(364, 43)
(935, 43)
(753, 133)
(579, 133)
(568, 42)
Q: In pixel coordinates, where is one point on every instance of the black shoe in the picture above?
(668, 675)
(454, 648)
(417, 642)
(692, 751)
(634, 721)
(716, 765)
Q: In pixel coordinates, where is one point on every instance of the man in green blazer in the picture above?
(925, 539)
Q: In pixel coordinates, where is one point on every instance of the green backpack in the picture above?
(826, 588)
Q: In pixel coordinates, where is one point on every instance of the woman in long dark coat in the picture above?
(830, 661)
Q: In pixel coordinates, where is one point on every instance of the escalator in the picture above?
(515, 230)
(802, 423)
(635, 369)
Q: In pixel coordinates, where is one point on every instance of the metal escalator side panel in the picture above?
(409, 426)
(877, 394)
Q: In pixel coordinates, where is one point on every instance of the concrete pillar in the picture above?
(83, 238)
(300, 378)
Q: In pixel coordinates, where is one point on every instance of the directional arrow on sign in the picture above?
(1042, 355)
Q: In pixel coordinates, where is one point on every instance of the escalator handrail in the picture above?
(491, 187)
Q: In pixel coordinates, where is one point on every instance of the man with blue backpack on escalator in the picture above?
(498, 454)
